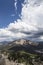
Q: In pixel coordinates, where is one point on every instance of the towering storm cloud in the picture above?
(30, 24)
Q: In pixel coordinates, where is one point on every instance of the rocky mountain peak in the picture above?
(25, 42)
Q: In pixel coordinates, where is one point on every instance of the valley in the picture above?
(22, 52)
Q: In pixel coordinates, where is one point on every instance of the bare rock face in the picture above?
(2, 61)
(21, 41)
(24, 42)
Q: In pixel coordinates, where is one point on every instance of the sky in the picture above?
(21, 19)
(8, 13)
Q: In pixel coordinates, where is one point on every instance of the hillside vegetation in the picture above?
(24, 57)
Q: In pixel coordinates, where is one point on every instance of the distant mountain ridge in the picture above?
(4, 42)
(23, 44)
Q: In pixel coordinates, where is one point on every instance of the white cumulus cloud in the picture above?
(31, 22)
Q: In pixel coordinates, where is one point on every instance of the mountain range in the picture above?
(23, 44)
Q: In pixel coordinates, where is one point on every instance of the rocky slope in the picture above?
(25, 45)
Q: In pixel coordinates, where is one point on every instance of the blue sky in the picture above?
(8, 13)
(21, 19)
